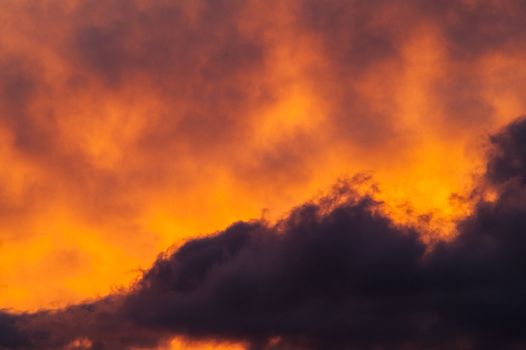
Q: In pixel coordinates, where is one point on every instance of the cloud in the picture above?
(336, 274)
(126, 126)
(10, 337)
(508, 161)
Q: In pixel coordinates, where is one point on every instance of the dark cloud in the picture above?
(10, 336)
(332, 275)
(299, 278)
(508, 161)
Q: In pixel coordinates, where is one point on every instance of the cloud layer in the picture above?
(336, 274)
(128, 126)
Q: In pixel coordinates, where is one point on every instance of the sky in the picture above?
(274, 175)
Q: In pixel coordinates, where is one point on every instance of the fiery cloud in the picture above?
(127, 127)
(334, 274)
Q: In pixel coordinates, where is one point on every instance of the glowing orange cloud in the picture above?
(126, 127)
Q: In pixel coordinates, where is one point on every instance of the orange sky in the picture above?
(127, 128)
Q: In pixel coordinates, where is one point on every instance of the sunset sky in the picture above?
(262, 174)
